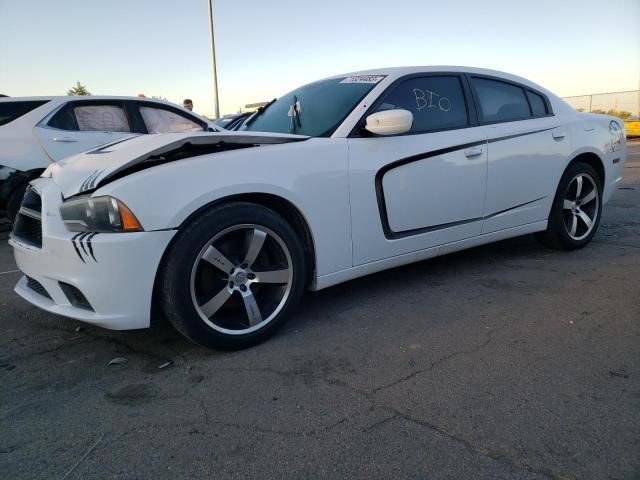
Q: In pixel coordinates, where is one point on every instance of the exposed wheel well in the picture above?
(593, 160)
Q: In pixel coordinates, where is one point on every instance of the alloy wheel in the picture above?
(241, 279)
(581, 206)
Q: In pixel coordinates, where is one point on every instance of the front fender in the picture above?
(311, 175)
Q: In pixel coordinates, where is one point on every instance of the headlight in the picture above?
(98, 214)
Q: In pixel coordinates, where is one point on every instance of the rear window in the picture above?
(500, 101)
(537, 103)
(9, 111)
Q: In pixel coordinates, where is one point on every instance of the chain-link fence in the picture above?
(620, 104)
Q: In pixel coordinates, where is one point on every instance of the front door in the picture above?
(424, 188)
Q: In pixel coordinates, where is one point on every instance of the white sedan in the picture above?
(222, 232)
(35, 131)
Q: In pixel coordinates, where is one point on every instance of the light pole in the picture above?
(216, 104)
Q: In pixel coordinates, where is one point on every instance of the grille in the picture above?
(37, 287)
(75, 296)
(28, 224)
(32, 200)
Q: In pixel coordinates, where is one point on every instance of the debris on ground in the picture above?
(117, 361)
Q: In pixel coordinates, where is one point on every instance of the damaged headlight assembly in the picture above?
(98, 214)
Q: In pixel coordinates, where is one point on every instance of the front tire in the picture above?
(232, 276)
(576, 210)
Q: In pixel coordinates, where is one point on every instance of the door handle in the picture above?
(473, 152)
(558, 135)
(63, 140)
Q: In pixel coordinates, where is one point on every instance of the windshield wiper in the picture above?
(295, 116)
(259, 112)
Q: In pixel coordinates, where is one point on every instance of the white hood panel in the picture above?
(85, 171)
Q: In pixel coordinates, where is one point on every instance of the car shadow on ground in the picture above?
(163, 341)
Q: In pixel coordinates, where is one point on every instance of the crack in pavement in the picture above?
(442, 360)
(394, 412)
(502, 459)
(323, 376)
(305, 433)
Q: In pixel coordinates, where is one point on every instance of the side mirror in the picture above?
(389, 122)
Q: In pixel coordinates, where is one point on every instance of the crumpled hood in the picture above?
(86, 171)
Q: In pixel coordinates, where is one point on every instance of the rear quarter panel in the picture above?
(590, 134)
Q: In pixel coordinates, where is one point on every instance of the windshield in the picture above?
(315, 109)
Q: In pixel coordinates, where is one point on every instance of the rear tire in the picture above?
(232, 276)
(576, 210)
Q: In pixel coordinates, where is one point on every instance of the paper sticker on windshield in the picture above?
(363, 79)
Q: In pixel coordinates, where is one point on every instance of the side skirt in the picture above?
(335, 278)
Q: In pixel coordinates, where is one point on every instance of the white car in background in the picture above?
(35, 131)
(222, 232)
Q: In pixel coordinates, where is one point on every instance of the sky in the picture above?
(266, 48)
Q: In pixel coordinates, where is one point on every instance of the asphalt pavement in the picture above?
(508, 361)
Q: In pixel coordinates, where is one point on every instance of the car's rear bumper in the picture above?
(114, 272)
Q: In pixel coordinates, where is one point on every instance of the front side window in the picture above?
(436, 102)
(160, 120)
(316, 109)
(10, 111)
(500, 101)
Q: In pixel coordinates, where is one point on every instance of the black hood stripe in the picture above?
(93, 182)
(83, 187)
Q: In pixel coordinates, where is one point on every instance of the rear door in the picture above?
(423, 188)
(81, 125)
(527, 151)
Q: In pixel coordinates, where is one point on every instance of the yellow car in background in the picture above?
(632, 127)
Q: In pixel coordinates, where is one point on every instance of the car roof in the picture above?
(66, 98)
(401, 71)
(397, 72)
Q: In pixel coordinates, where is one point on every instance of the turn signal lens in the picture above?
(129, 221)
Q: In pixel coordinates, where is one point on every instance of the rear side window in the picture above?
(500, 101)
(91, 117)
(538, 105)
(160, 120)
(10, 111)
(436, 102)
